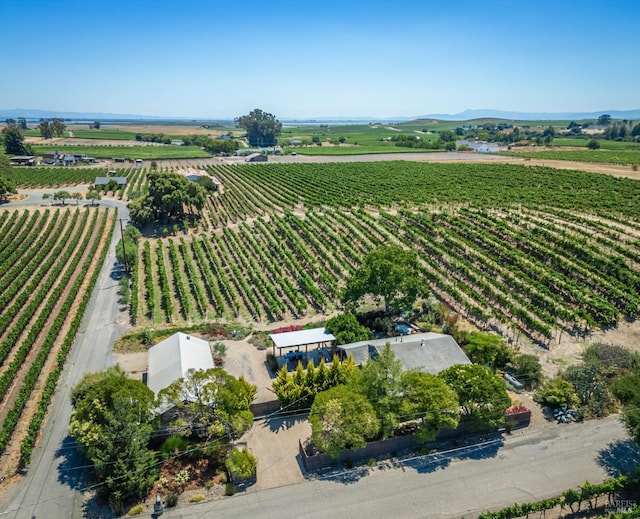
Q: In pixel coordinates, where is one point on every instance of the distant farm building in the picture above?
(479, 146)
(22, 160)
(256, 157)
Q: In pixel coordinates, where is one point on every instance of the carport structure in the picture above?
(288, 340)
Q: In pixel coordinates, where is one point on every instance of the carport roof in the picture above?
(301, 338)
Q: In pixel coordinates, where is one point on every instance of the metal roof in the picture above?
(426, 352)
(103, 181)
(301, 338)
(170, 359)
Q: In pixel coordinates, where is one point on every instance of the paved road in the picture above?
(528, 467)
(48, 489)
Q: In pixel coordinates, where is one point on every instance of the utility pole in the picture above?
(124, 250)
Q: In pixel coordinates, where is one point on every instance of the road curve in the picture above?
(49, 488)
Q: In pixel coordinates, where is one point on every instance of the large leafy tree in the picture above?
(167, 198)
(342, 419)
(388, 272)
(14, 141)
(627, 390)
(46, 129)
(483, 396)
(262, 128)
(58, 127)
(346, 329)
(488, 349)
(112, 421)
(427, 398)
(210, 404)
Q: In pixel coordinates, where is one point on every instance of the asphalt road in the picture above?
(49, 487)
(527, 467)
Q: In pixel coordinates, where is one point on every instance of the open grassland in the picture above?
(127, 152)
(603, 156)
(534, 248)
(49, 263)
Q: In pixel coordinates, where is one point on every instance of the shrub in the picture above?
(241, 463)
(173, 445)
(172, 500)
(197, 498)
(229, 489)
(557, 392)
(136, 510)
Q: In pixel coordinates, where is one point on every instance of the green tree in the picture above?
(168, 196)
(346, 329)
(112, 421)
(46, 129)
(388, 272)
(380, 380)
(95, 125)
(342, 419)
(604, 120)
(210, 404)
(14, 141)
(428, 399)
(488, 349)
(62, 196)
(526, 367)
(22, 123)
(7, 187)
(262, 128)
(94, 196)
(483, 396)
(593, 144)
(58, 127)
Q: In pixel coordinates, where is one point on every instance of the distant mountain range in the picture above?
(34, 114)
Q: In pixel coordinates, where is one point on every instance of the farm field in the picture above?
(127, 152)
(608, 156)
(49, 262)
(534, 249)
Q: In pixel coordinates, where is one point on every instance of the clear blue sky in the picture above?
(322, 58)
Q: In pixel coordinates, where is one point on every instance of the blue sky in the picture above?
(323, 58)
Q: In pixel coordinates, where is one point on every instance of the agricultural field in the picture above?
(49, 263)
(604, 156)
(59, 176)
(127, 152)
(534, 249)
(604, 144)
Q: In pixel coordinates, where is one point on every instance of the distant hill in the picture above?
(532, 116)
(467, 115)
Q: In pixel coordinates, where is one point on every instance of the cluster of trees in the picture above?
(13, 141)
(446, 141)
(20, 122)
(167, 198)
(297, 390)
(594, 385)
(62, 196)
(213, 146)
(379, 398)
(153, 137)
(49, 129)
(262, 128)
(114, 421)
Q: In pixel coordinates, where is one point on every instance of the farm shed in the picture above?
(172, 358)
(256, 157)
(103, 181)
(304, 338)
(426, 352)
(22, 160)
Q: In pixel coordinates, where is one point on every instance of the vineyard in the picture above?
(542, 251)
(49, 261)
(619, 156)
